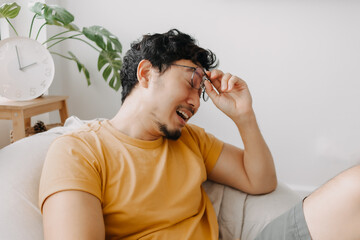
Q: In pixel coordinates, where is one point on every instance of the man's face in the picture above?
(173, 99)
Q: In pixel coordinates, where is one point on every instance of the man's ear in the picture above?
(144, 72)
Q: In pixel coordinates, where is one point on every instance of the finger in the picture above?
(217, 84)
(239, 84)
(210, 91)
(224, 82)
(215, 78)
(233, 81)
(216, 73)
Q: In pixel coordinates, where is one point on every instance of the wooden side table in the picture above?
(20, 112)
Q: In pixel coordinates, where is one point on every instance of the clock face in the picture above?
(26, 68)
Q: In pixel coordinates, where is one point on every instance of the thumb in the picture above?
(211, 91)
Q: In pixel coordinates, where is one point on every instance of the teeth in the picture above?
(184, 115)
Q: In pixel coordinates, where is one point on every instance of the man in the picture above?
(139, 175)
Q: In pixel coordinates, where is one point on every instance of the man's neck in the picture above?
(135, 121)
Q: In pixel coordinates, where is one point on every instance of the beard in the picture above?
(169, 134)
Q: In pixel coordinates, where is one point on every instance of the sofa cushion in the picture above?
(20, 169)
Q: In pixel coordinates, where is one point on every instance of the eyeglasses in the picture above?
(198, 79)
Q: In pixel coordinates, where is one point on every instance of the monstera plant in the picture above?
(98, 38)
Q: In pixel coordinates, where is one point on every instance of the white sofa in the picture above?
(240, 215)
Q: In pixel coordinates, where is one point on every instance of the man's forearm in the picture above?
(258, 161)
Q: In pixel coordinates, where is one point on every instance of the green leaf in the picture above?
(36, 7)
(71, 27)
(110, 62)
(81, 67)
(9, 10)
(103, 38)
(53, 15)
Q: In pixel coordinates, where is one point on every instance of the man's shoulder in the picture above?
(88, 132)
(85, 129)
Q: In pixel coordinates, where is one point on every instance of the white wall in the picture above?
(300, 59)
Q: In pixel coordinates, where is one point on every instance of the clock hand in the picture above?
(22, 68)
(17, 54)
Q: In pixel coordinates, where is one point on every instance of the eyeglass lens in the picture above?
(198, 79)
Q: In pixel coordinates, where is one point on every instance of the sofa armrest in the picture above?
(228, 204)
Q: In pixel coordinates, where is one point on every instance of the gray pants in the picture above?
(289, 226)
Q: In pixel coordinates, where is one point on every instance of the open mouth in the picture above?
(182, 114)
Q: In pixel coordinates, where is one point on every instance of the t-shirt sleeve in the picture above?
(209, 145)
(70, 164)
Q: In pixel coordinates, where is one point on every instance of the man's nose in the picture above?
(194, 100)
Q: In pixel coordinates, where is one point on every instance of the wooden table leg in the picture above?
(18, 125)
(27, 123)
(63, 111)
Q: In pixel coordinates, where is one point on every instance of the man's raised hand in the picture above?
(231, 96)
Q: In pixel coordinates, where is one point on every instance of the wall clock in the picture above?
(26, 68)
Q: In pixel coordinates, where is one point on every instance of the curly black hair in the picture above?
(162, 50)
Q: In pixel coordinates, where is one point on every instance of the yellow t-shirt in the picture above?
(148, 189)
